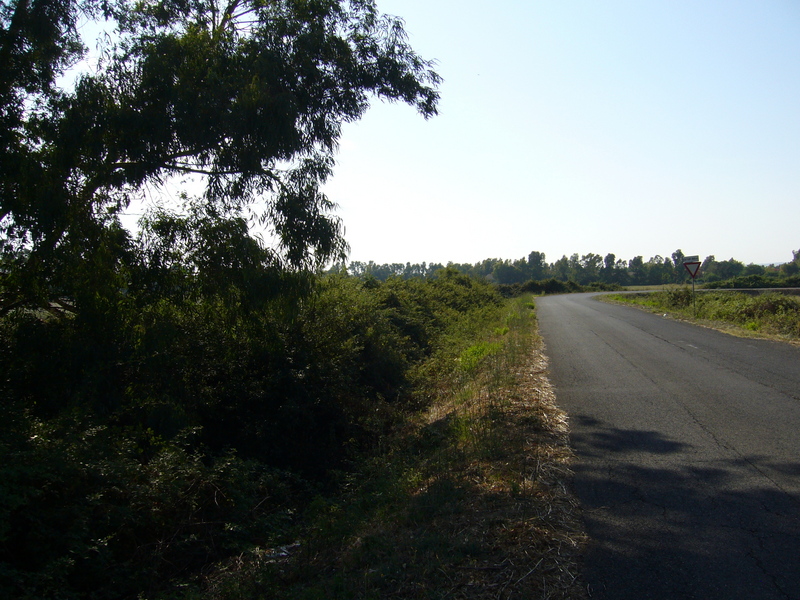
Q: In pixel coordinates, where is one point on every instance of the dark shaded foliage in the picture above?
(144, 443)
(755, 282)
(553, 286)
(168, 400)
(247, 97)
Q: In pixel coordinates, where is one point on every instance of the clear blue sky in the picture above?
(633, 127)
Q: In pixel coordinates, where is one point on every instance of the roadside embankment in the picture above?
(470, 499)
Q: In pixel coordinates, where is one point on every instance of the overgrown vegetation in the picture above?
(553, 286)
(171, 399)
(754, 282)
(465, 500)
(148, 446)
(768, 313)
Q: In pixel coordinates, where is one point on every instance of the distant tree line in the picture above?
(589, 269)
(386, 271)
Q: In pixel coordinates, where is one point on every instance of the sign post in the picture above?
(692, 265)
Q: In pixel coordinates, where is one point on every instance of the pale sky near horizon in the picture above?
(633, 127)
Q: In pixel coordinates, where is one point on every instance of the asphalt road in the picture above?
(688, 452)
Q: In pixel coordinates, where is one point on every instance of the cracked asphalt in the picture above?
(688, 452)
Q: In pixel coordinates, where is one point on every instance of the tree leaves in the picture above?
(248, 96)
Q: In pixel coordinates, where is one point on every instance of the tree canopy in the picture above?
(248, 97)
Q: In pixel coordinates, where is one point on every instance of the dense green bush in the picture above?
(754, 282)
(554, 286)
(546, 286)
(150, 437)
(678, 298)
(767, 312)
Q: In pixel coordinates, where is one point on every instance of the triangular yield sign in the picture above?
(692, 267)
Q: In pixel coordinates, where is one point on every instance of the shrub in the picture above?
(545, 286)
(773, 313)
(754, 281)
(152, 438)
(678, 298)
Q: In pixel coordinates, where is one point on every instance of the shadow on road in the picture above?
(666, 523)
(603, 438)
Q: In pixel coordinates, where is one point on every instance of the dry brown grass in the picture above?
(518, 508)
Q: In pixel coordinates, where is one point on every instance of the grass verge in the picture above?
(469, 499)
(769, 315)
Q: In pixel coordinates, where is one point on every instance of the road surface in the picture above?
(688, 452)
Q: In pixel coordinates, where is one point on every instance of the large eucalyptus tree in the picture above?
(247, 96)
